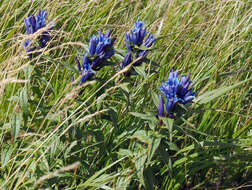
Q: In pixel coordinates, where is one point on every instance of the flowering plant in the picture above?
(175, 90)
(32, 25)
(136, 45)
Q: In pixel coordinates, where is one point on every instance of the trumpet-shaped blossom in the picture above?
(135, 40)
(136, 35)
(85, 69)
(161, 107)
(101, 49)
(175, 90)
(41, 19)
(184, 92)
(127, 60)
(32, 25)
(169, 90)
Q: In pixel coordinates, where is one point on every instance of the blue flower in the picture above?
(149, 41)
(101, 49)
(175, 90)
(41, 19)
(169, 90)
(45, 37)
(161, 107)
(136, 35)
(85, 70)
(134, 40)
(127, 60)
(32, 25)
(184, 92)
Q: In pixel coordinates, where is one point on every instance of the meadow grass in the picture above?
(108, 137)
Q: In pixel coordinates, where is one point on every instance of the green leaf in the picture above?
(5, 156)
(124, 86)
(144, 116)
(153, 147)
(172, 146)
(208, 96)
(169, 125)
(140, 71)
(23, 100)
(155, 99)
(120, 53)
(122, 182)
(125, 152)
(113, 115)
(162, 151)
(70, 67)
(142, 136)
(241, 130)
(16, 124)
(216, 143)
(97, 174)
(68, 150)
(54, 146)
(188, 148)
(28, 71)
(180, 161)
(140, 162)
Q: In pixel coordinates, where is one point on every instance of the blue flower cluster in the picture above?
(175, 90)
(136, 45)
(32, 25)
(100, 50)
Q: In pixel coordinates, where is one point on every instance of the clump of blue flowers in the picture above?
(101, 49)
(175, 90)
(32, 25)
(137, 44)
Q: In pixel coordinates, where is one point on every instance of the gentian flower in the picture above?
(41, 19)
(169, 90)
(184, 92)
(135, 41)
(127, 60)
(85, 70)
(32, 25)
(161, 107)
(175, 91)
(101, 49)
(136, 35)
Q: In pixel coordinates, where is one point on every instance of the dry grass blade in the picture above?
(73, 166)
(12, 80)
(92, 115)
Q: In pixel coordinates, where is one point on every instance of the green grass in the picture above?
(108, 138)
